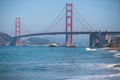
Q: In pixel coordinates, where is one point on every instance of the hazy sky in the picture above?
(38, 14)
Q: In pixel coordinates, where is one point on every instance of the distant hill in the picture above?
(4, 39)
(36, 41)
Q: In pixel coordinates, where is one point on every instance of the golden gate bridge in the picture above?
(95, 36)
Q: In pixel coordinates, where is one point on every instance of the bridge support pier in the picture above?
(13, 42)
(92, 40)
(98, 39)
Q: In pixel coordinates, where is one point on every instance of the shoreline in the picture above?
(115, 48)
(116, 65)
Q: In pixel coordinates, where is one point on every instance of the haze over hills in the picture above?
(35, 41)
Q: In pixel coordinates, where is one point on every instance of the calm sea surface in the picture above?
(59, 63)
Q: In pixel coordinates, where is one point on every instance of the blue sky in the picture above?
(38, 14)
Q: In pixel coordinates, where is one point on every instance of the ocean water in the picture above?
(58, 63)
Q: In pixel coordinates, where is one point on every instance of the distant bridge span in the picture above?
(60, 33)
(93, 35)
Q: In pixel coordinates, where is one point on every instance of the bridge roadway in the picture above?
(59, 33)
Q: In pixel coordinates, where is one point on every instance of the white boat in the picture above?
(53, 45)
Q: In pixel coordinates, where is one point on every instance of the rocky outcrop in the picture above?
(4, 39)
(115, 43)
(116, 65)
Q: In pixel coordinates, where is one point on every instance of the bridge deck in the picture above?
(60, 33)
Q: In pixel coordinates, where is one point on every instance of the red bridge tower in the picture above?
(17, 30)
(69, 16)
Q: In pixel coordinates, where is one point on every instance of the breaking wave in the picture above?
(117, 55)
(90, 49)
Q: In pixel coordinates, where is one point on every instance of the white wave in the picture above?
(110, 66)
(90, 49)
(117, 55)
(107, 65)
(113, 51)
(105, 48)
(113, 75)
(91, 77)
(91, 65)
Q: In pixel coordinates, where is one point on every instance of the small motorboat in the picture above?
(53, 45)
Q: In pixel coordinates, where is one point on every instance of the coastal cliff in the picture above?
(115, 44)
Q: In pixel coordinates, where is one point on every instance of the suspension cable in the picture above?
(54, 20)
(26, 26)
(12, 30)
(81, 22)
(83, 19)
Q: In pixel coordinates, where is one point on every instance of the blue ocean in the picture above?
(58, 63)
